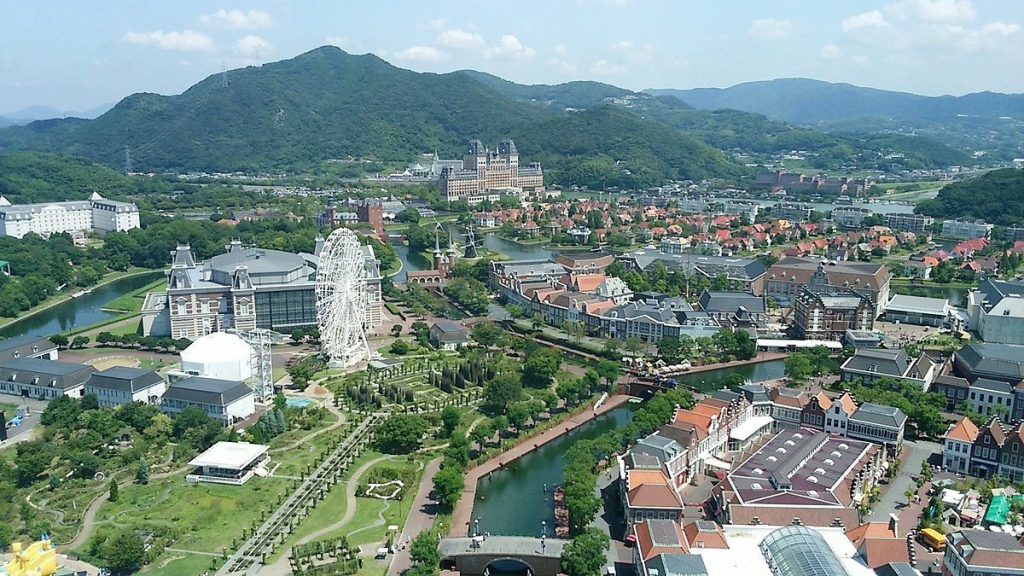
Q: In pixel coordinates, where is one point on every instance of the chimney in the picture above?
(894, 525)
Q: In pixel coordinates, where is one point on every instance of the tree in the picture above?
(79, 341)
(449, 420)
(298, 336)
(401, 434)
(518, 415)
(574, 329)
(409, 215)
(609, 371)
(798, 367)
(540, 367)
(634, 345)
(424, 549)
(396, 330)
(481, 433)
(400, 347)
(125, 552)
(502, 390)
(113, 490)
(585, 555)
(60, 340)
(448, 485)
(142, 472)
(487, 334)
(670, 350)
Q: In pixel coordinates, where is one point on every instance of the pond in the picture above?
(412, 261)
(513, 501)
(78, 312)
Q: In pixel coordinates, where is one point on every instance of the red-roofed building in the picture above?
(648, 495)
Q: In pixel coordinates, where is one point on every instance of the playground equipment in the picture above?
(38, 559)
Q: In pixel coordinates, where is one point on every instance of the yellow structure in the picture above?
(39, 559)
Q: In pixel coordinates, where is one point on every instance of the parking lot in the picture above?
(27, 425)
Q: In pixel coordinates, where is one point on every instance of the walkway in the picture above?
(282, 567)
(917, 452)
(464, 509)
(421, 518)
(247, 559)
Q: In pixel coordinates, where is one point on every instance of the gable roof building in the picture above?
(120, 385)
(43, 379)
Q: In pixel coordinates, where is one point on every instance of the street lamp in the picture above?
(543, 528)
(476, 524)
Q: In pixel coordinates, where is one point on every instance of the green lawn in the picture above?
(131, 302)
(206, 516)
(177, 563)
(9, 410)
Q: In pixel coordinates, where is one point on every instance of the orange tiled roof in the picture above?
(963, 431)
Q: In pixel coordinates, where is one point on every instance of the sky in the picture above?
(76, 55)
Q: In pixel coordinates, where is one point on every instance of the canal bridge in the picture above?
(483, 555)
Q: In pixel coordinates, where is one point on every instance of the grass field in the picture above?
(177, 563)
(131, 302)
(8, 409)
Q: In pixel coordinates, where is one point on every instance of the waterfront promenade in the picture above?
(464, 509)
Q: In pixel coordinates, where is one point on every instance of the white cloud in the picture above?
(770, 28)
(563, 65)
(872, 19)
(509, 47)
(252, 46)
(831, 52)
(606, 68)
(238, 20)
(461, 39)
(420, 54)
(186, 40)
(561, 50)
(1001, 28)
(947, 11)
(635, 53)
(437, 24)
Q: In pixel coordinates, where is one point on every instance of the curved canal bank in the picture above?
(530, 464)
(78, 312)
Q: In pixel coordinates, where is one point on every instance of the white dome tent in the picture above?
(219, 355)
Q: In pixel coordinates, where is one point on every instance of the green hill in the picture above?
(996, 197)
(27, 177)
(325, 104)
(578, 94)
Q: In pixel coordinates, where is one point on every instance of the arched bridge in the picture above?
(479, 556)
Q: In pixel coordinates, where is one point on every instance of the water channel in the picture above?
(513, 501)
(508, 248)
(78, 312)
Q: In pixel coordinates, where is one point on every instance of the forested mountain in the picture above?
(804, 101)
(27, 177)
(326, 104)
(996, 197)
(747, 132)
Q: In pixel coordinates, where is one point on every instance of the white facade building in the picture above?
(218, 355)
(96, 214)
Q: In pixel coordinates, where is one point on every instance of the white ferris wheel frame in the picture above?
(341, 300)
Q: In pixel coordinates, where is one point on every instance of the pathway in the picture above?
(281, 567)
(421, 518)
(894, 492)
(464, 509)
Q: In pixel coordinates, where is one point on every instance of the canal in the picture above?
(513, 502)
(78, 312)
(508, 248)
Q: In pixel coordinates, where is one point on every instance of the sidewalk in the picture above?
(421, 518)
(464, 509)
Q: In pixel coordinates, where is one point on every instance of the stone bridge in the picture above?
(480, 556)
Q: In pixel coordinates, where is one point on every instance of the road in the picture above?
(421, 518)
(919, 452)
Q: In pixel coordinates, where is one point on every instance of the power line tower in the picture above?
(127, 161)
(223, 74)
(260, 340)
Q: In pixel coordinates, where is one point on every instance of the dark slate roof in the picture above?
(878, 414)
(886, 362)
(43, 372)
(726, 395)
(201, 390)
(997, 361)
(710, 266)
(755, 393)
(721, 301)
(992, 386)
(636, 310)
(24, 346)
(678, 565)
(124, 379)
(897, 569)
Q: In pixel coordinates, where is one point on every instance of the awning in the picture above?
(716, 463)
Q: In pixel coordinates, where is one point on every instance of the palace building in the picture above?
(490, 174)
(97, 214)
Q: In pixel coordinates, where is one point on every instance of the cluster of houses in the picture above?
(213, 377)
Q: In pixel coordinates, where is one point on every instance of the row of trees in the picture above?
(723, 346)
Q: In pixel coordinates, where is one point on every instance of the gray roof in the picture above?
(872, 413)
(990, 385)
(893, 363)
(644, 461)
(996, 361)
(897, 569)
(199, 390)
(638, 310)
(710, 266)
(124, 379)
(678, 565)
(722, 301)
(1000, 296)
(918, 305)
(41, 372)
(841, 302)
(755, 393)
(24, 346)
(664, 533)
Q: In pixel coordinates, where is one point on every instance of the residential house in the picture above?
(957, 444)
(43, 379)
(448, 335)
(982, 553)
(649, 494)
(879, 424)
(985, 452)
(869, 365)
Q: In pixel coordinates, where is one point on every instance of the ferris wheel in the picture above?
(341, 299)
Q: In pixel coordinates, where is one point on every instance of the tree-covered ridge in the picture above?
(996, 197)
(296, 114)
(27, 177)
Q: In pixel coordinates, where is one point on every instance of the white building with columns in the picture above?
(97, 214)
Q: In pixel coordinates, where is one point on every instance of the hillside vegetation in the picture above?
(996, 197)
(295, 114)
